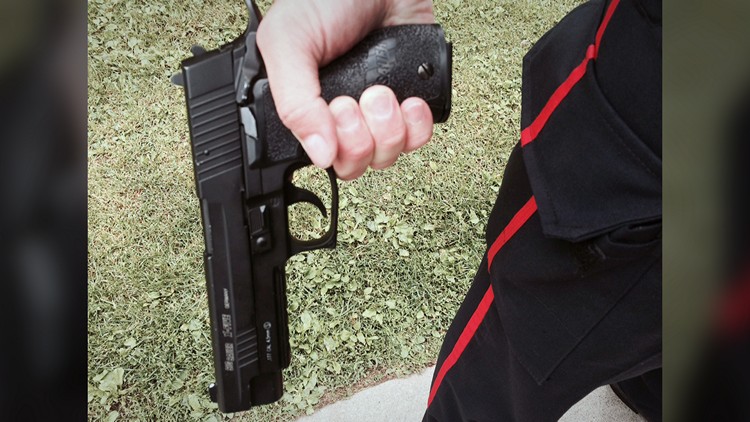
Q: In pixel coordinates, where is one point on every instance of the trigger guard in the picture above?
(328, 240)
(297, 195)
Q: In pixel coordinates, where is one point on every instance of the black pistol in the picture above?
(244, 157)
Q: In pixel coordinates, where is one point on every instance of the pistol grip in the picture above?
(412, 60)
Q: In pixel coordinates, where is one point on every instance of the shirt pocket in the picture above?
(550, 292)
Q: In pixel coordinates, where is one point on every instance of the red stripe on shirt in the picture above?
(518, 220)
(562, 91)
(531, 131)
(605, 22)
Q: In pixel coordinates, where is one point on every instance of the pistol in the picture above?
(243, 161)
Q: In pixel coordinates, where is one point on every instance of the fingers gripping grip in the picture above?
(412, 60)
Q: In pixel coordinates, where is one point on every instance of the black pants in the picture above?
(516, 352)
(568, 296)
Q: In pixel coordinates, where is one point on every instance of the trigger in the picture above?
(297, 195)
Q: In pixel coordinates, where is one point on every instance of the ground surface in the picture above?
(404, 400)
(374, 308)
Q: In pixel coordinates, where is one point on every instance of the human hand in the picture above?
(296, 38)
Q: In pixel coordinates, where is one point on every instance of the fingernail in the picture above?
(317, 150)
(381, 105)
(346, 117)
(414, 114)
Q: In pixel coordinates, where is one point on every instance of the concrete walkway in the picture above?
(404, 400)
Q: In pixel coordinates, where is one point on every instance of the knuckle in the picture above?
(357, 151)
(289, 114)
(392, 140)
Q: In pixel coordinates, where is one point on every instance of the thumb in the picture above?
(293, 78)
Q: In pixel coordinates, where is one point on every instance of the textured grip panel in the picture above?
(393, 56)
(413, 60)
(278, 142)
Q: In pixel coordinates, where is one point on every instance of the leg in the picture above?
(479, 375)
